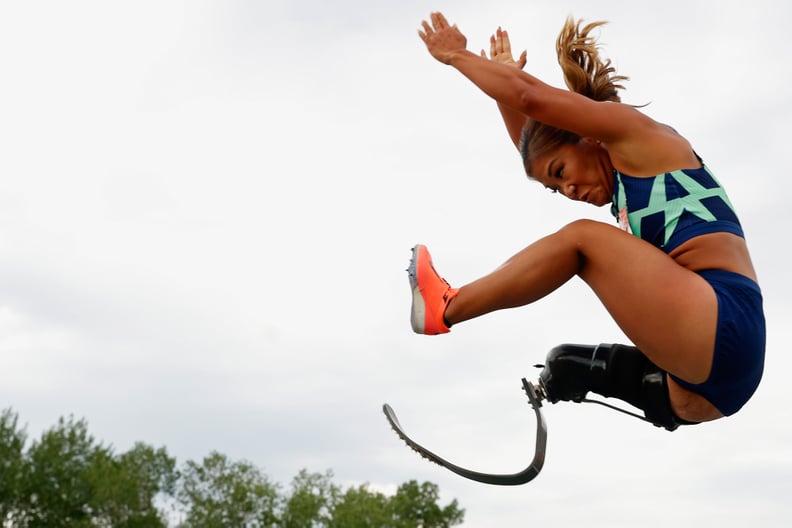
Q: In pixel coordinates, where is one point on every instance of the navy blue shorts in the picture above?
(738, 361)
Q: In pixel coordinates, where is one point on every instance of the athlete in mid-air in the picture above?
(676, 276)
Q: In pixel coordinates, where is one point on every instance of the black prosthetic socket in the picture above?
(611, 370)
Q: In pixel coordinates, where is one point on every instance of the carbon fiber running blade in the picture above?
(526, 475)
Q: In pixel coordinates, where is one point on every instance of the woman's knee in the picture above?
(584, 232)
(585, 226)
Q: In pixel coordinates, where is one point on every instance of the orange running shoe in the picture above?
(431, 294)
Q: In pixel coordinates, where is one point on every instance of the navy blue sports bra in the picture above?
(671, 208)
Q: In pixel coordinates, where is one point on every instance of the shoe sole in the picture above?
(418, 314)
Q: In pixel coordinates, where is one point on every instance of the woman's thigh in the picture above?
(668, 311)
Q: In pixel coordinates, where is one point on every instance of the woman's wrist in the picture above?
(457, 56)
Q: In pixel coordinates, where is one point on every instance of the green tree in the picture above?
(12, 443)
(126, 486)
(56, 488)
(414, 503)
(67, 479)
(153, 472)
(219, 493)
(359, 507)
(312, 499)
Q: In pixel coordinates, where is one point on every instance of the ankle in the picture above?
(449, 312)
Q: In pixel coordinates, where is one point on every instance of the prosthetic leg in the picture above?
(570, 373)
(613, 371)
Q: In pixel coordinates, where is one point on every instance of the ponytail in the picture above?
(586, 73)
(584, 70)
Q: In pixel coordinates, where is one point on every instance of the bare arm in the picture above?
(500, 51)
(524, 94)
(635, 143)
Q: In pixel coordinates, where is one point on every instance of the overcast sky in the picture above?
(207, 208)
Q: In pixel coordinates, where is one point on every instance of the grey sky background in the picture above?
(207, 210)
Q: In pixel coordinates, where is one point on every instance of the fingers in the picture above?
(439, 21)
(523, 59)
(427, 30)
(503, 37)
(500, 42)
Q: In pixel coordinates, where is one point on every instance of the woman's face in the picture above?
(580, 171)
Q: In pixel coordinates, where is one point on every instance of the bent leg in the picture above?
(689, 405)
(623, 372)
(668, 311)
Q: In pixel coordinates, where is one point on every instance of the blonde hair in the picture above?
(586, 73)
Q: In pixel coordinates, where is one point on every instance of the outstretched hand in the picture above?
(442, 39)
(500, 50)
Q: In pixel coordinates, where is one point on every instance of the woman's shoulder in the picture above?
(651, 149)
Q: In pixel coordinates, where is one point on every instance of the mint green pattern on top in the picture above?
(689, 189)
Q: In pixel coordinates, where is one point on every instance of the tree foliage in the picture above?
(359, 507)
(12, 442)
(66, 478)
(311, 501)
(219, 493)
(415, 502)
(58, 476)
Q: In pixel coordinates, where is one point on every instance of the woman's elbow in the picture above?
(527, 101)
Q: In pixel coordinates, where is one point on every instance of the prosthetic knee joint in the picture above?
(611, 370)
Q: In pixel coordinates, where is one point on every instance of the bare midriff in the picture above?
(723, 251)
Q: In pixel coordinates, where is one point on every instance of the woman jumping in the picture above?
(677, 277)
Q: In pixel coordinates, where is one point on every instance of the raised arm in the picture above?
(635, 143)
(525, 94)
(500, 51)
